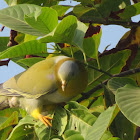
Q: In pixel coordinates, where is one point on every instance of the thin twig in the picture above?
(104, 21)
(108, 22)
(122, 74)
(92, 102)
(2, 28)
(100, 70)
(4, 62)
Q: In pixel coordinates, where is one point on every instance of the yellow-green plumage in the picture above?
(48, 82)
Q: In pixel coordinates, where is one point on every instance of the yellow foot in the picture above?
(45, 120)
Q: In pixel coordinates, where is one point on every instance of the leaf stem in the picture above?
(122, 74)
(100, 70)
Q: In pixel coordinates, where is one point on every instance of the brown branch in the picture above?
(2, 28)
(108, 22)
(5, 62)
(12, 42)
(104, 21)
(122, 74)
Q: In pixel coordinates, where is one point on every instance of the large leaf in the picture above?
(30, 47)
(3, 43)
(44, 20)
(80, 119)
(91, 44)
(5, 132)
(128, 100)
(79, 35)
(72, 135)
(61, 9)
(87, 2)
(13, 17)
(136, 62)
(112, 64)
(108, 6)
(101, 11)
(118, 82)
(37, 2)
(83, 12)
(59, 121)
(63, 33)
(24, 127)
(101, 124)
(123, 128)
(69, 30)
(42, 131)
(12, 120)
(130, 11)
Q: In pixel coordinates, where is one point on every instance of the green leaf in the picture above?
(130, 11)
(61, 10)
(123, 128)
(74, 105)
(12, 120)
(15, 14)
(40, 2)
(87, 2)
(91, 45)
(23, 129)
(101, 124)
(59, 121)
(3, 43)
(72, 135)
(42, 132)
(30, 61)
(107, 135)
(5, 132)
(112, 64)
(44, 20)
(80, 118)
(27, 48)
(136, 61)
(118, 82)
(79, 35)
(7, 112)
(128, 100)
(108, 6)
(86, 13)
(64, 31)
(109, 97)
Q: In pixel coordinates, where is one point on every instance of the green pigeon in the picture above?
(44, 85)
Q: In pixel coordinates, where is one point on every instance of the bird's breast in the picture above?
(55, 97)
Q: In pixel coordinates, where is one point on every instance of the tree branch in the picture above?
(104, 21)
(2, 28)
(5, 62)
(100, 70)
(122, 74)
(108, 22)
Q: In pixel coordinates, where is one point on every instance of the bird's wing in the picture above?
(33, 83)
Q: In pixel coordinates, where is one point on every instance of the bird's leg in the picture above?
(45, 119)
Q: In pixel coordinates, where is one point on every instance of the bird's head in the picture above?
(72, 76)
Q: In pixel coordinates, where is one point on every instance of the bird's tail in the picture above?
(4, 102)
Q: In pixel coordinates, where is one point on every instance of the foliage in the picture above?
(109, 107)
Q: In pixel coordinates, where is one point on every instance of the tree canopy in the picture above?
(109, 108)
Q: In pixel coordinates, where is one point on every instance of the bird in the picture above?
(45, 84)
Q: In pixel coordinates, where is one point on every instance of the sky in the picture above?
(111, 34)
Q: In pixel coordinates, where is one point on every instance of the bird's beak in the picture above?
(64, 84)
